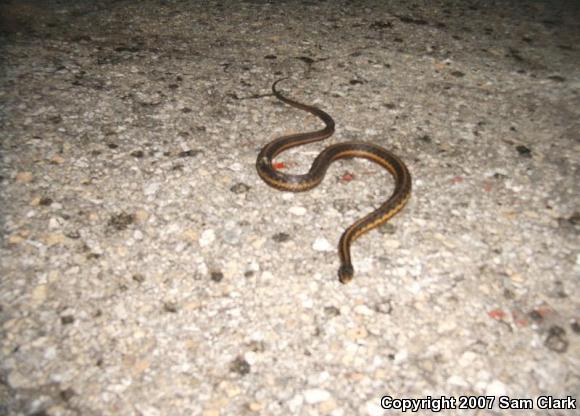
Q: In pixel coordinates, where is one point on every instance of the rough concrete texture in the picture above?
(147, 270)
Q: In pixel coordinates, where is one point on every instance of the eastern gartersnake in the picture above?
(299, 183)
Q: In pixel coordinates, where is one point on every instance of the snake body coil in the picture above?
(305, 182)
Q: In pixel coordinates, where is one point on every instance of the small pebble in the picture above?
(24, 177)
(207, 237)
(358, 333)
(39, 294)
(296, 403)
(297, 210)
(313, 396)
(363, 310)
(456, 380)
(374, 409)
(240, 366)
(322, 244)
(495, 388)
(240, 188)
(401, 357)
(151, 188)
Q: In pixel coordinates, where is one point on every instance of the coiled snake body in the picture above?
(305, 182)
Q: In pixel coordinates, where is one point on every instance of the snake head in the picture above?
(345, 273)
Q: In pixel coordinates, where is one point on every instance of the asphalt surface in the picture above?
(145, 269)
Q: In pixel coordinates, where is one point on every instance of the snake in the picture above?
(304, 182)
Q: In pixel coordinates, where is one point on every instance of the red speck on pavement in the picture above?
(497, 314)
